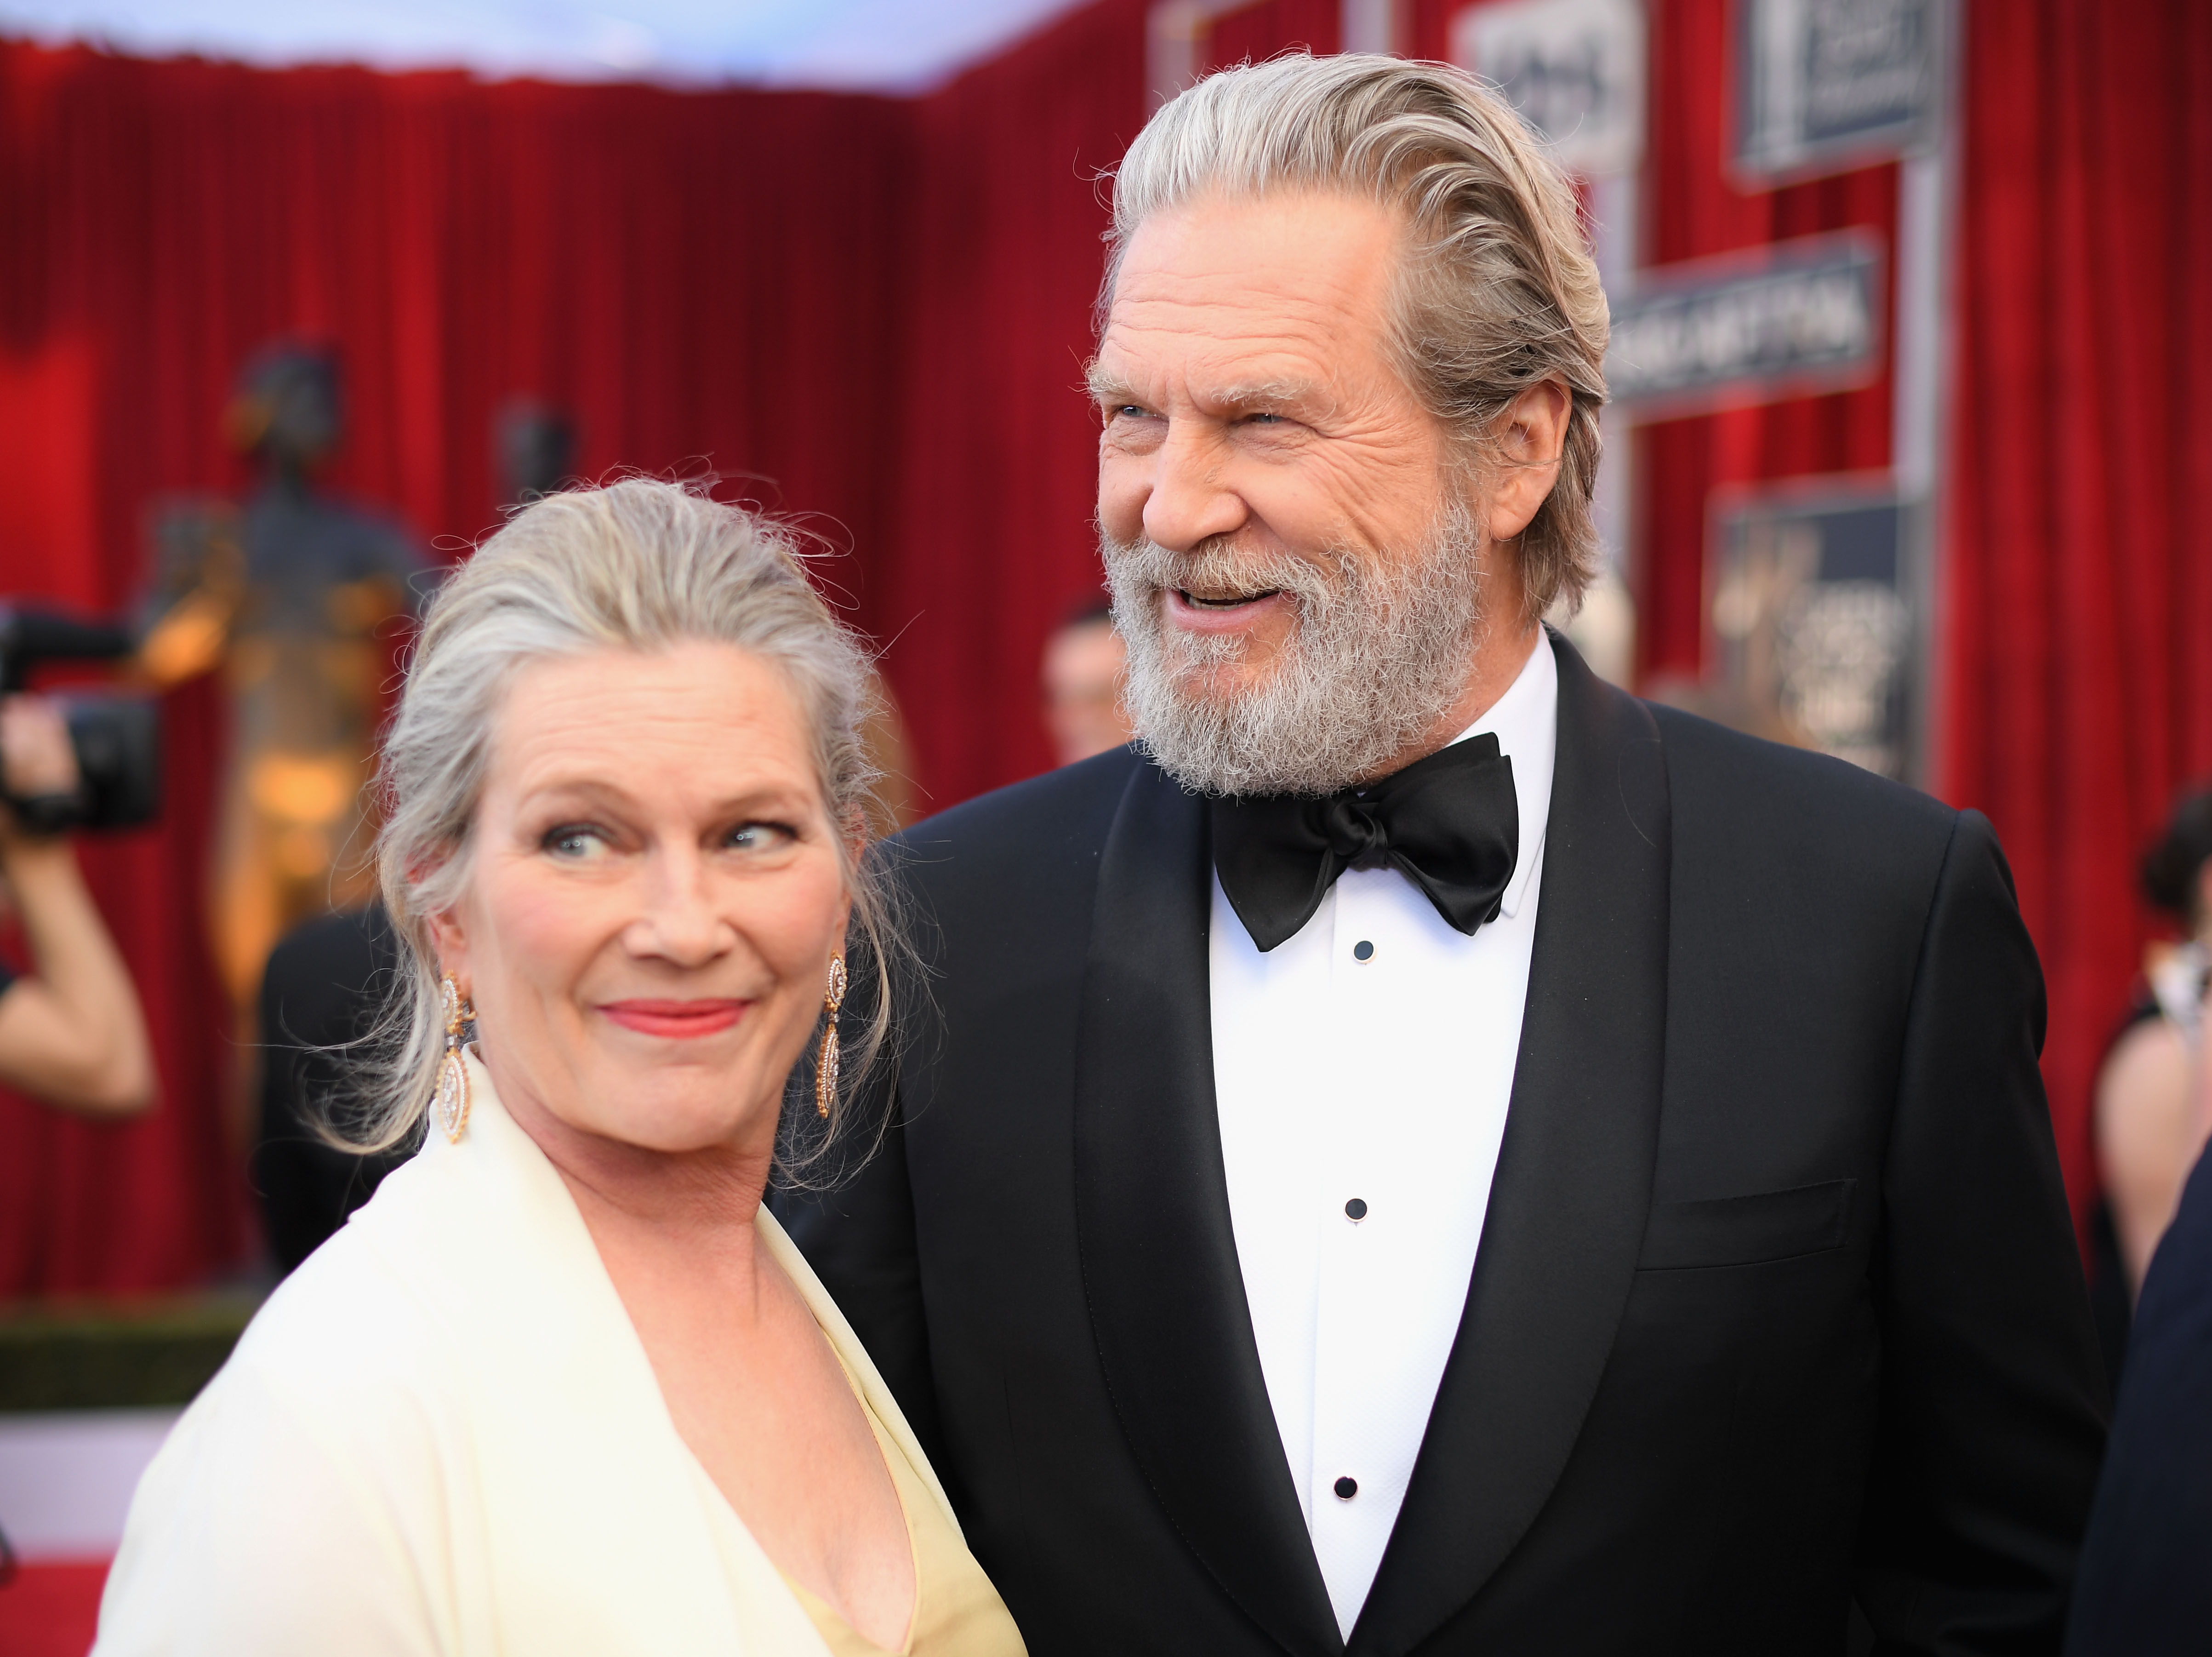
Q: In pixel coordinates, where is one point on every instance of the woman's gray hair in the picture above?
(1498, 291)
(640, 565)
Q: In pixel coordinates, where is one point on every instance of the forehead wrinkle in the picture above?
(1304, 395)
(1230, 354)
(1253, 314)
(1107, 387)
(1252, 360)
(570, 722)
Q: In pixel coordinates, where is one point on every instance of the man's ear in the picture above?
(1529, 440)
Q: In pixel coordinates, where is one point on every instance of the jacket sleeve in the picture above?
(859, 1236)
(1992, 1408)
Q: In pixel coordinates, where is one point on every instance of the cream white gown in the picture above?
(441, 1435)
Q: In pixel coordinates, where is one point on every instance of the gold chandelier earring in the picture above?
(451, 1101)
(825, 1068)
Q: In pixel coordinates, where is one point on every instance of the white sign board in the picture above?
(1798, 317)
(1813, 622)
(1574, 70)
(1826, 85)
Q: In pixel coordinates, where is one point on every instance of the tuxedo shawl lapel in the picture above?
(1573, 1186)
(1152, 1205)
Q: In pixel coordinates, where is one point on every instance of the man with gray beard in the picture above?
(1428, 1153)
(1375, 651)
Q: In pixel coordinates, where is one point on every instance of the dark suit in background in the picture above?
(322, 987)
(2146, 1583)
(1776, 1305)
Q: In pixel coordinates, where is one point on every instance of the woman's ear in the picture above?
(450, 940)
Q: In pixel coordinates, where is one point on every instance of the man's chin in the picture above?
(1217, 686)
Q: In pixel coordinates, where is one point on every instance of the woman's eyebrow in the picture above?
(776, 795)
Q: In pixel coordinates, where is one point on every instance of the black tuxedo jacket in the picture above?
(1777, 1303)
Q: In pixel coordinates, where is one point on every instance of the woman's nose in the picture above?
(680, 922)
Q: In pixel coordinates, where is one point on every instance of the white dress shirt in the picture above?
(1351, 1075)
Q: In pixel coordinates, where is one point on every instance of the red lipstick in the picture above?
(682, 1019)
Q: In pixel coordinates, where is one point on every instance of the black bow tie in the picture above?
(1450, 823)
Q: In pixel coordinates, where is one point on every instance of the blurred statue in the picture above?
(535, 449)
(285, 595)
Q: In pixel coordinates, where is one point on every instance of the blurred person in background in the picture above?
(2145, 1584)
(71, 1033)
(2150, 1113)
(1083, 662)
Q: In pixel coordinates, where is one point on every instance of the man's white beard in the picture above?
(1377, 656)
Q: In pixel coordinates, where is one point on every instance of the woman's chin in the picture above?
(680, 1112)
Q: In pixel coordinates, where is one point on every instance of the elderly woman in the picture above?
(564, 1386)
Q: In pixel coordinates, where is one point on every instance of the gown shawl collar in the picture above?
(593, 1529)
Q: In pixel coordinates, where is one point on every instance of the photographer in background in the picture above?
(71, 1033)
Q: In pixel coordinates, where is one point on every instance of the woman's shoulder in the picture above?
(361, 1312)
(303, 1490)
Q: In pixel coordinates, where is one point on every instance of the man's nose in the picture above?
(1190, 502)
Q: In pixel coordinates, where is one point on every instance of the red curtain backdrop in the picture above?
(878, 311)
(997, 450)
(1257, 32)
(1692, 209)
(699, 279)
(2079, 637)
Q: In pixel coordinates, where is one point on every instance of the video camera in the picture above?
(117, 737)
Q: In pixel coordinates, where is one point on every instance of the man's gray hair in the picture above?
(638, 566)
(1498, 291)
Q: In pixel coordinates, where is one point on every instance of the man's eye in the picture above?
(1128, 412)
(1263, 419)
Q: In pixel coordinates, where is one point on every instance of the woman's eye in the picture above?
(575, 843)
(760, 837)
(1263, 419)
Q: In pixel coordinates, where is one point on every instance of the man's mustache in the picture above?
(1220, 565)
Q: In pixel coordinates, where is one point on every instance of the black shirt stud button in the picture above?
(1346, 1489)
(1356, 1208)
(1363, 951)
